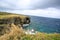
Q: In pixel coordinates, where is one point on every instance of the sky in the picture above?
(44, 8)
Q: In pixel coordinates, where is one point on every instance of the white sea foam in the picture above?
(31, 31)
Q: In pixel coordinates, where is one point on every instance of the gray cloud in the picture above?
(41, 4)
(5, 5)
(34, 4)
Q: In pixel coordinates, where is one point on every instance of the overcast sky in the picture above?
(45, 8)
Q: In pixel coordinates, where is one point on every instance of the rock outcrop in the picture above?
(15, 20)
(7, 20)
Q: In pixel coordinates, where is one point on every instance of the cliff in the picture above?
(6, 19)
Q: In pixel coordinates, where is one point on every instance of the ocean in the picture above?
(44, 24)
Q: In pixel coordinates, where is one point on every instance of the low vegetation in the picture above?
(17, 33)
(13, 32)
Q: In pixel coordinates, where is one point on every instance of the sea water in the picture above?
(43, 24)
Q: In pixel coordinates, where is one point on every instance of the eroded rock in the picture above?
(15, 20)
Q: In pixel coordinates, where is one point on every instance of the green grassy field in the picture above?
(17, 33)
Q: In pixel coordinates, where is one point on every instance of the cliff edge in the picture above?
(6, 19)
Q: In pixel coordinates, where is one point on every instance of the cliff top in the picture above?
(7, 15)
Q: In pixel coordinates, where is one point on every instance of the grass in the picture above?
(7, 15)
(17, 33)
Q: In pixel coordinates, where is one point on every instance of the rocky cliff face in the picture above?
(15, 20)
(7, 20)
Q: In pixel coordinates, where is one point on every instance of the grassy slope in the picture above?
(17, 33)
(7, 15)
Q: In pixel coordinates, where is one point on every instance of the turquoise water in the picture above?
(42, 24)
